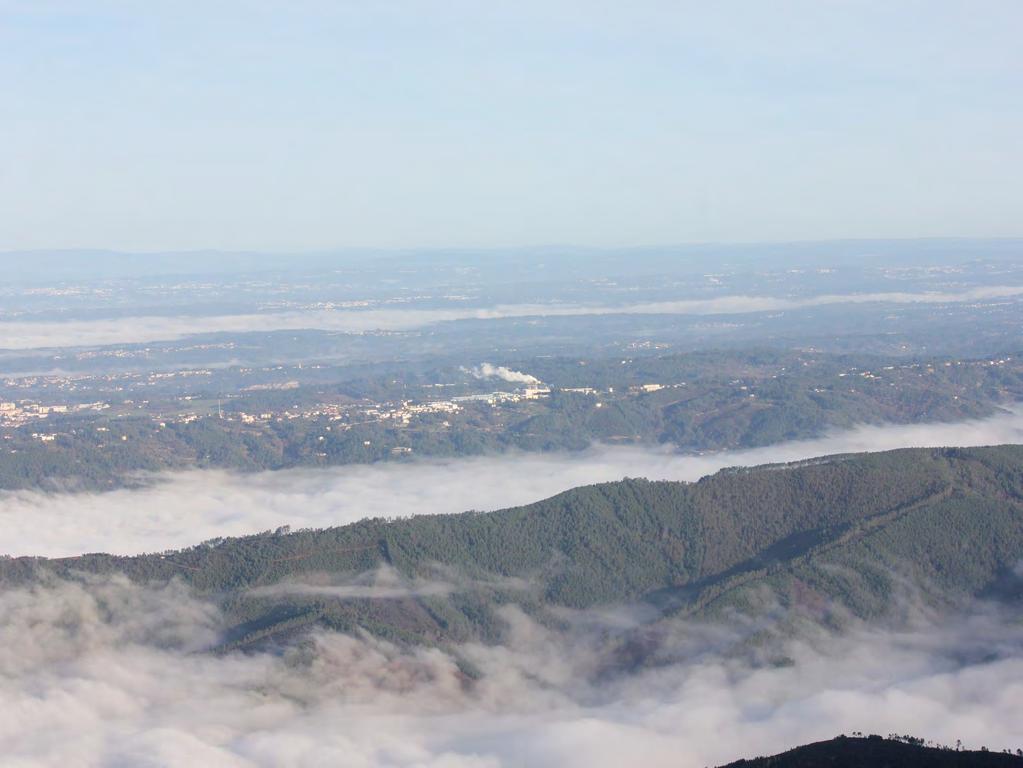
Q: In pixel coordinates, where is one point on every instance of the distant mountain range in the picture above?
(555, 261)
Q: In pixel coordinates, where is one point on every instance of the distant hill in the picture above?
(827, 538)
(877, 752)
(704, 401)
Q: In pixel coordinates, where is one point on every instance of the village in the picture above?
(345, 412)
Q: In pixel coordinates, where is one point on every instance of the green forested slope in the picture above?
(836, 533)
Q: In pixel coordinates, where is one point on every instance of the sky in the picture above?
(308, 125)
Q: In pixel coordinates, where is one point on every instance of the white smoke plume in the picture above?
(104, 673)
(181, 509)
(490, 371)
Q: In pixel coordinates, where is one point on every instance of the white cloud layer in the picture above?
(182, 509)
(107, 674)
(129, 330)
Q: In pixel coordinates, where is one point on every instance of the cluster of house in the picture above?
(15, 414)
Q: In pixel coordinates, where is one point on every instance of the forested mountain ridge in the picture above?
(877, 752)
(830, 536)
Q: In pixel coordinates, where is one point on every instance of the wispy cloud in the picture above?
(386, 583)
(127, 330)
(181, 509)
(383, 583)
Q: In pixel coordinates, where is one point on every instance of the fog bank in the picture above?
(108, 674)
(185, 508)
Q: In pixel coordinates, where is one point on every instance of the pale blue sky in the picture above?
(294, 125)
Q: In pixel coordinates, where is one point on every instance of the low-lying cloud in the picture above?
(383, 583)
(132, 330)
(105, 673)
(386, 583)
(181, 509)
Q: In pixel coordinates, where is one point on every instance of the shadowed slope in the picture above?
(876, 752)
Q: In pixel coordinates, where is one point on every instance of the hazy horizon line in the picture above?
(535, 246)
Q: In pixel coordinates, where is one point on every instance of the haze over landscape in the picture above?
(562, 384)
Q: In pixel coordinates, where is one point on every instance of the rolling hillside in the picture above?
(829, 537)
